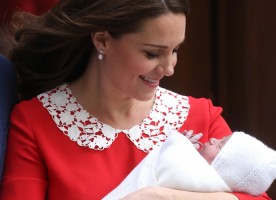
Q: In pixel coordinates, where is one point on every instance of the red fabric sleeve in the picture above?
(243, 196)
(24, 173)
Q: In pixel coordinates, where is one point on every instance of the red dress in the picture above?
(56, 150)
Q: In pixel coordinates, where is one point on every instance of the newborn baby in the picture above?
(237, 163)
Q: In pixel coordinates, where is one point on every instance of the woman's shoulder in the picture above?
(28, 108)
(204, 117)
(27, 104)
(197, 106)
(199, 102)
(41, 100)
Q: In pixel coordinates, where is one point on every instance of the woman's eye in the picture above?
(175, 51)
(151, 55)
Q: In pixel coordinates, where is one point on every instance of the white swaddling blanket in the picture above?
(175, 164)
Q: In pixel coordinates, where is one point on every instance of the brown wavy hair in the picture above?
(55, 47)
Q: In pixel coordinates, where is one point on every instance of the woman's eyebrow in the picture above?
(159, 45)
(155, 45)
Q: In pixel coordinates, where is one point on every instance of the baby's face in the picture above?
(210, 149)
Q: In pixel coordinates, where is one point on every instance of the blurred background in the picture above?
(229, 55)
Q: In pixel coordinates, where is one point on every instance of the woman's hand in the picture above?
(193, 138)
(160, 193)
(149, 193)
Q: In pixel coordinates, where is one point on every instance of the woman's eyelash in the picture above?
(175, 50)
(151, 55)
(155, 55)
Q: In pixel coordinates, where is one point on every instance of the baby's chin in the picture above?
(203, 147)
(203, 152)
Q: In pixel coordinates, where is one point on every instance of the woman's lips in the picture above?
(149, 79)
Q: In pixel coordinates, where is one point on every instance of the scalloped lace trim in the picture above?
(169, 111)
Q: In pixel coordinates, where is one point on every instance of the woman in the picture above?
(91, 72)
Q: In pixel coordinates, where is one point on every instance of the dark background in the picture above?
(230, 56)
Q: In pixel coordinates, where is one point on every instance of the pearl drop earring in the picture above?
(100, 55)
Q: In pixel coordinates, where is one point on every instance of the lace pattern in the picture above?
(170, 110)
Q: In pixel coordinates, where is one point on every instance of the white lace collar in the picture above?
(169, 111)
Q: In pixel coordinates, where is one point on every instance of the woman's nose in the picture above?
(166, 68)
(166, 71)
(169, 70)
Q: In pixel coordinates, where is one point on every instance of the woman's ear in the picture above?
(100, 39)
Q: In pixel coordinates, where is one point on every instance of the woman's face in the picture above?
(135, 63)
(211, 148)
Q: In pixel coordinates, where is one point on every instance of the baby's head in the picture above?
(245, 163)
(211, 148)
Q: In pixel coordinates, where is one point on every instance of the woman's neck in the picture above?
(108, 105)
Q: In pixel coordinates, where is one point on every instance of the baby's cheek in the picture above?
(208, 153)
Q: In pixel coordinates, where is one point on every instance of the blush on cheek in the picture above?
(207, 153)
